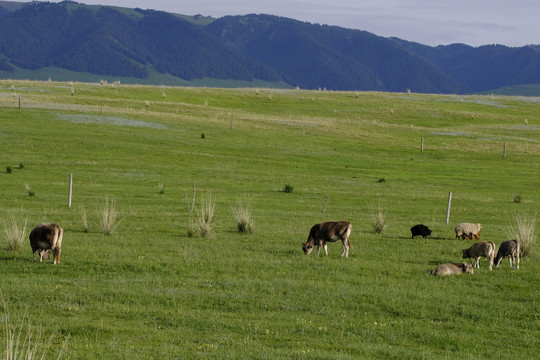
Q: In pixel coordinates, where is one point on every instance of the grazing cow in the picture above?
(45, 237)
(480, 249)
(420, 229)
(468, 231)
(453, 268)
(511, 249)
(325, 232)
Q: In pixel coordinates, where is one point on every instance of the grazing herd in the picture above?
(332, 231)
(47, 237)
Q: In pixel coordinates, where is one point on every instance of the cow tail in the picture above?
(55, 235)
(349, 229)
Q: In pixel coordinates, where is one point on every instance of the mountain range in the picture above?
(135, 43)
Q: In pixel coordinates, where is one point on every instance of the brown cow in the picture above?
(325, 232)
(511, 249)
(45, 237)
(480, 249)
(453, 268)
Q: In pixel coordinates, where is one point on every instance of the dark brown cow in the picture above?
(330, 231)
(45, 237)
(510, 249)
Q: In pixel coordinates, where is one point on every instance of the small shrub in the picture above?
(202, 136)
(109, 217)
(288, 189)
(381, 180)
(21, 166)
(14, 233)
(517, 199)
(161, 188)
(379, 221)
(243, 218)
(9, 170)
(523, 230)
(29, 190)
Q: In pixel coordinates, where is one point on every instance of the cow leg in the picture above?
(56, 252)
(517, 259)
(511, 261)
(325, 245)
(34, 253)
(477, 262)
(490, 263)
(345, 248)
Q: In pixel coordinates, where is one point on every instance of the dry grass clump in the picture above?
(14, 232)
(379, 220)
(23, 341)
(203, 225)
(523, 230)
(109, 217)
(243, 218)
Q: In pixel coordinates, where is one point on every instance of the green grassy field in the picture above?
(150, 291)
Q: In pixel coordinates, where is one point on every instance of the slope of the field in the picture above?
(150, 291)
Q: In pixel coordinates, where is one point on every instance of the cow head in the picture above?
(467, 268)
(307, 248)
(44, 254)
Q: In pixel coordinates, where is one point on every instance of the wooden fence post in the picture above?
(70, 189)
(504, 152)
(422, 145)
(448, 208)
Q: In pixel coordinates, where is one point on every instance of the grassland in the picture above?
(150, 291)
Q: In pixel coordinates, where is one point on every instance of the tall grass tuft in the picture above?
(84, 218)
(523, 230)
(24, 342)
(243, 218)
(109, 217)
(29, 190)
(203, 225)
(14, 233)
(379, 220)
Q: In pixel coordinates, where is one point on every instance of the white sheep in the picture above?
(468, 230)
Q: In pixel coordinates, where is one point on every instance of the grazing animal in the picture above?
(420, 229)
(480, 249)
(468, 231)
(453, 268)
(511, 249)
(330, 231)
(45, 237)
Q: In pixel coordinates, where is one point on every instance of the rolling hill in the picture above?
(136, 44)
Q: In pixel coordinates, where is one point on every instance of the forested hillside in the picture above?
(121, 42)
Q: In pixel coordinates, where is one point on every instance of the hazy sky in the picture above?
(430, 22)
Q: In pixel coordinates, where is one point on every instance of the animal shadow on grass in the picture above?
(421, 238)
